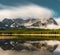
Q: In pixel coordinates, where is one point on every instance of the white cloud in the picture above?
(52, 26)
(25, 12)
(58, 20)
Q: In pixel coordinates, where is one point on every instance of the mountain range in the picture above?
(27, 23)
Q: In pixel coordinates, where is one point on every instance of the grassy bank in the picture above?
(30, 37)
(30, 31)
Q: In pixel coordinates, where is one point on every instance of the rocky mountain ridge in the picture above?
(28, 23)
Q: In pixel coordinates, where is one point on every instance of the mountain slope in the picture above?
(29, 23)
(43, 23)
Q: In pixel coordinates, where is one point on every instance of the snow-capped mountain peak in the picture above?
(29, 23)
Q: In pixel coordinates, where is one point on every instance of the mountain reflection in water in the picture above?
(40, 48)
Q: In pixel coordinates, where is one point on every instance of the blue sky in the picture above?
(51, 4)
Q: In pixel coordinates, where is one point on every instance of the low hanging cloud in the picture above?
(33, 11)
(58, 21)
(28, 11)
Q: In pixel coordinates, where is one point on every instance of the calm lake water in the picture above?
(40, 52)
